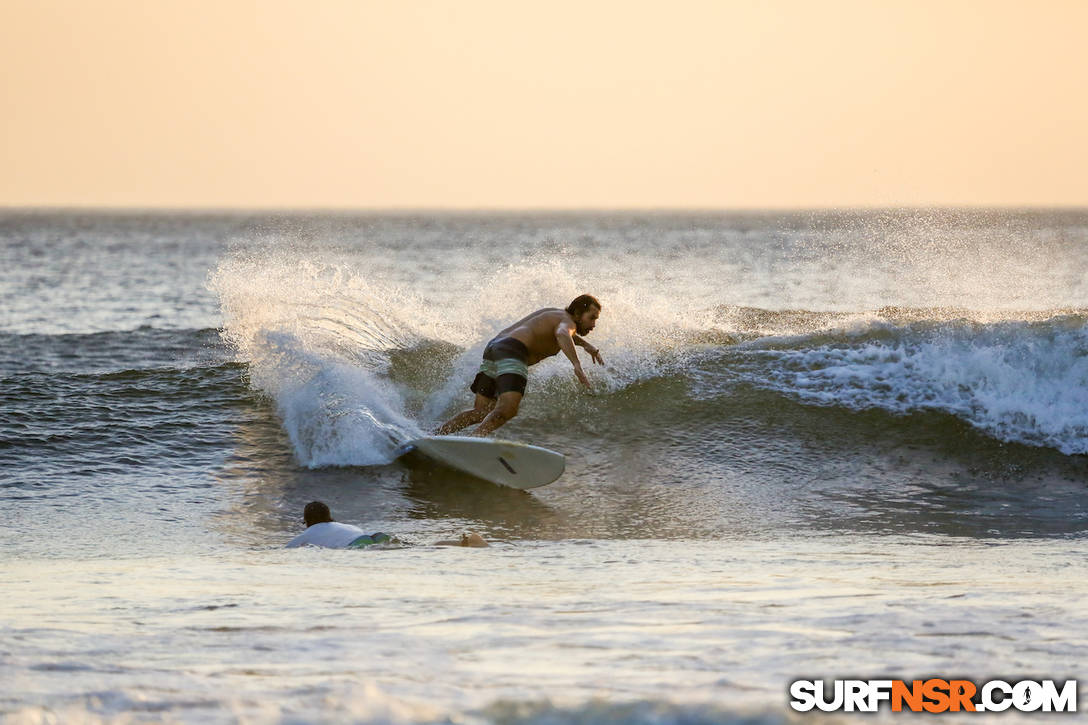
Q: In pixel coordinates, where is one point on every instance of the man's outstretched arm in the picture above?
(564, 334)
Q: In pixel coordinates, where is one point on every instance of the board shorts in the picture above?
(505, 368)
(369, 540)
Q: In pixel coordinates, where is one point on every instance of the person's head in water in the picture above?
(469, 538)
(316, 512)
(585, 309)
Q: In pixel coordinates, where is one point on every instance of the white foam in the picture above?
(316, 337)
(317, 331)
(1017, 381)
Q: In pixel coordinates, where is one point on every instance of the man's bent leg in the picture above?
(505, 409)
(466, 418)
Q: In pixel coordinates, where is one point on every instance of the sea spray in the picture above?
(316, 338)
(318, 333)
(642, 333)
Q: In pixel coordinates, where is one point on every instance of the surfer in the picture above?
(500, 383)
(322, 531)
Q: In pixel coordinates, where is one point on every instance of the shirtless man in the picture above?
(501, 381)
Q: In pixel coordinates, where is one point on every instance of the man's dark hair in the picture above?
(581, 303)
(317, 512)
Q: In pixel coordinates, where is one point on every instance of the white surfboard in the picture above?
(506, 463)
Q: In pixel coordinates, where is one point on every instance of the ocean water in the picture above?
(823, 445)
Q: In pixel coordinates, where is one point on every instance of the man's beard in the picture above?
(582, 330)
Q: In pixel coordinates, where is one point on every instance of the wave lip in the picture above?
(1019, 381)
(317, 340)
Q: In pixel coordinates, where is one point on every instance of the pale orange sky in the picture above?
(598, 104)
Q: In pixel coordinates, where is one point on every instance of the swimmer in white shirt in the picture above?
(321, 530)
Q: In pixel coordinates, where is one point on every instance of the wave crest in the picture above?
(1017, 380)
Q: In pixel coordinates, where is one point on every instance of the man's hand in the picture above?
(581, 376)
(594, 353)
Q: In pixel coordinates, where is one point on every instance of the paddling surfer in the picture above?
(500, 383)
(322, 530)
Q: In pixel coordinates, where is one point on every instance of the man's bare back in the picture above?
(537, 332)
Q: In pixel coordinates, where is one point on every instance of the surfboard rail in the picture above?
(503, 462)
